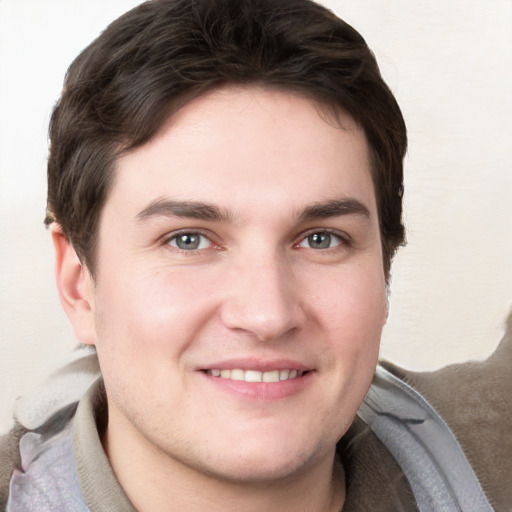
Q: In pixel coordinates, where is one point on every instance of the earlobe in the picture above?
(75, 286)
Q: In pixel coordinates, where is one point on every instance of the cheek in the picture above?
(352, 312)
(151, 312)
(140, 328)
(351, 301)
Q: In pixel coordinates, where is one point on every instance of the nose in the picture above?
(262, 299)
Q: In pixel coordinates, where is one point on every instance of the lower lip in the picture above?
(262, 391)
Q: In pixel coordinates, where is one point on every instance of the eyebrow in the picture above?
(334, 208)
(207, 211)
(186, 209)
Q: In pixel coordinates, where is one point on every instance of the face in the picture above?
(239, 294)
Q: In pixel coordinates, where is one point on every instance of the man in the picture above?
(224, 196)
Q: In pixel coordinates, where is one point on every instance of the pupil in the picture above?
(319, 240)
(187, 242)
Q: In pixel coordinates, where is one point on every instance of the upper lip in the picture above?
(262, 365)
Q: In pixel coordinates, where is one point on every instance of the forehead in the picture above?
(246, 145)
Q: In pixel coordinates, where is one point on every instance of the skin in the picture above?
(258, 292)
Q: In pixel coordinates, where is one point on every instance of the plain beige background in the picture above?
(449, 62)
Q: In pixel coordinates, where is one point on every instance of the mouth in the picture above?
(255, 376)
(259, 379)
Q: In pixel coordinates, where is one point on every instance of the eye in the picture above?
(189, 241)
(321, 240)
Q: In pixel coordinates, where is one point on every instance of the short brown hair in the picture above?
(155, 58)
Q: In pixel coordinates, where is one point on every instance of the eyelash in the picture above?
(344, 240)
(166, 241)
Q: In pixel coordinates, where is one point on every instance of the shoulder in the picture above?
(9, 460)
(47, 409)
(475, 400)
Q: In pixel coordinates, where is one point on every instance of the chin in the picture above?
(263, 459)
(258, 469)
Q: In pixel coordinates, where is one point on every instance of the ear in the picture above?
(75, 286)
(385, 313)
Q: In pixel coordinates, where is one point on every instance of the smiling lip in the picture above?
(256, 375)
(259, 380)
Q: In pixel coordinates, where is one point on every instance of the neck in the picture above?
(156, 482)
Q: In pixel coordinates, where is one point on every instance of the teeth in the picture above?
(256, 376)
(270, 376)
(253, 376)
(237, 375)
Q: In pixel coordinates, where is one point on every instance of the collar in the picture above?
(374, 480)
